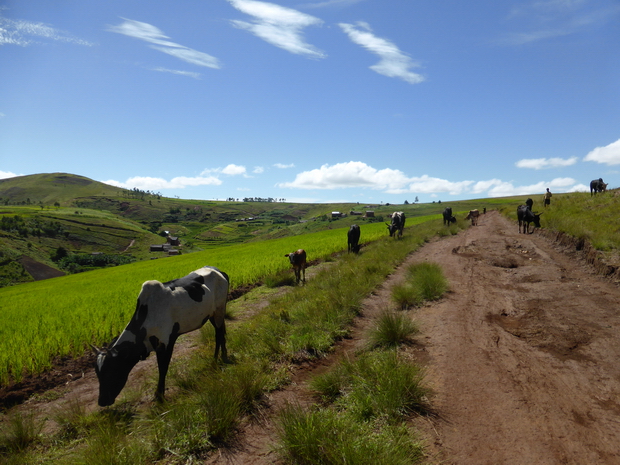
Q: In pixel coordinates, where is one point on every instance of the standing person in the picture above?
(547, 198)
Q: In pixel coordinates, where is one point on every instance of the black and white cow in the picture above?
(353, 238)
(597, 185)
(164, 311)
(447, 216)
(525, 217)
(298, 262)
(397, 224)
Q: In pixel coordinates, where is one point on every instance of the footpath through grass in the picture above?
(210, 400)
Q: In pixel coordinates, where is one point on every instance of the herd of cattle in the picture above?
(164, 311)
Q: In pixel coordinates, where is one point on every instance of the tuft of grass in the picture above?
(280, 279)
(326, 437)
(21, 430)
(425, 282)
(392, 330)
(377, 384)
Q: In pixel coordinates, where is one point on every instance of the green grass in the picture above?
(423, 282)
(393, 328)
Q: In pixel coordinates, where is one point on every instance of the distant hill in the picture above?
(50, 188)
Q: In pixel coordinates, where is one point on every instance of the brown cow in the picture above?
(473, 216)
(298, 260)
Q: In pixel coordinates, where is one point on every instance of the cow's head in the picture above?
(536, 219)
(392, 228)
(112, 367)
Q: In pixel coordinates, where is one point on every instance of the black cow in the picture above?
(353, 238)
(525, 217)
(597, 185)
(447, 216)
(398, 224)
(164, 311)
(529, 203)
(298, 261)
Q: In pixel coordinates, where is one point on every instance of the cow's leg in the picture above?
(220, 339)
(164, 355)
(303, 270)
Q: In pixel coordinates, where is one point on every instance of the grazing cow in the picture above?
(597, 185)
(298, 260)
(525, 217)
(398, 224)
(164, 311)
(447, 216)
(529, 203)
(353, 238)
(473, 216)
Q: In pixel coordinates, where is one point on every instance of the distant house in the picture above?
(355, 213)
(160, 248)
(336, 215)
(370, 214)
(173, 252)
(173, 240)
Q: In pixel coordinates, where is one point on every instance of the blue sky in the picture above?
(364, 101)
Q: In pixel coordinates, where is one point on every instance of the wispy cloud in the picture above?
(394, 62)
(278, 25)
(159, 41)
(282, 166)
(330, 3)
(544, 163)
(608, 155)
(25, 33)
(175, 71)
(156, 184)
(540, 20)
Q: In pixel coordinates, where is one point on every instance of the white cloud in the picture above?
(231, 170)
(544, 163)
(258, 170)
(21, 32)
(349, 174)
(547, 19)
(156, 184)
(278, 25)
(609, 155)
(155, 36)
(394, 63)
(505, 189)
(330, 3)
(8, 174)
(283, 166)
(181, 73)
(359, 175)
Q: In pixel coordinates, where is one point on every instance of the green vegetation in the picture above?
(424, 281)
(206, 401)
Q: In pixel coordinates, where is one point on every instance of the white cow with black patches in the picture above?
(164, 311)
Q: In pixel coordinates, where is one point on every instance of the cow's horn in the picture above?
(96, 350)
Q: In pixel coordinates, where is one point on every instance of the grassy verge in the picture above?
(208, 400)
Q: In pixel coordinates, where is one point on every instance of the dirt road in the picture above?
(522, 355)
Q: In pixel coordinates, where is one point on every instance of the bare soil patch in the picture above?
(521, 356)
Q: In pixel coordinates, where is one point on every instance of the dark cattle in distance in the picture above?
(164, 311)
(397, 224)
(525, 217)
(597, 185)
(447, 216)
(473, 216)
(353, 238)
(298, 262)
